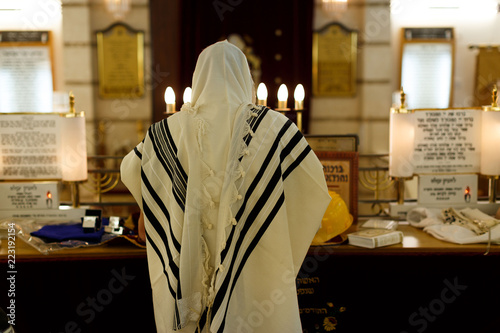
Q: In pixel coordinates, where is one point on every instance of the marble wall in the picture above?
(366, 113)
(114, 125)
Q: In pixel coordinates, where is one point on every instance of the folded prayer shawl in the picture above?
(232, 197)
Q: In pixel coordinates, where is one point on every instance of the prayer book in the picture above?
(372, 238)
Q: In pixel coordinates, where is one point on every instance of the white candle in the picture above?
(186, 97)
(299, 95)
(262, 94)
(170, 99)
(282, 97)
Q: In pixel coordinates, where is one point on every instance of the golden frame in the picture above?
(335, 50)
(120, 55)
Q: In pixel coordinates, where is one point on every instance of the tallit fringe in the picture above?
(187, 107)
(236, 170)
(207, 271)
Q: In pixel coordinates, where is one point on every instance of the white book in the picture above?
(379, 224)
(372, 238)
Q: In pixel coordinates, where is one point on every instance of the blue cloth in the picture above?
(63, 232)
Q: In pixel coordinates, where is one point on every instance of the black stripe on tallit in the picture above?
(250, 248)
(180, 177)
(138, 153)
(161, 232)
(202, 322)
(288, 149)
(255, 122)
(172, 292)
(297, 161)
(166, 151)
(256, 181)
(157, 250)
(159, 202)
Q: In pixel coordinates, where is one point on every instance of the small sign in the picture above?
(22, 196)
(30, 146)
(447, 189)
(447, 141)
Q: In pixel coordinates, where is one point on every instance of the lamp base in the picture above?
(492, 188)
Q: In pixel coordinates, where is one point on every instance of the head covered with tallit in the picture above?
(222, 88)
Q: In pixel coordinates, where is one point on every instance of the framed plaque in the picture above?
(427, 65)
(333, 142)
(26, 71)
(120, 53)
(334, 61)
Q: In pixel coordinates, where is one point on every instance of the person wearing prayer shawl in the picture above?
(231, 196)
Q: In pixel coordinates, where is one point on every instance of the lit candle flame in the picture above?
(282, 96)
(299, 95)
(262, 94)
(170, 99)
(187, 95)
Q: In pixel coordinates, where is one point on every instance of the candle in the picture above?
(170, 99)
(299, 95)
(49, 199)
(186, 97)
(262, 94)
(282, 97)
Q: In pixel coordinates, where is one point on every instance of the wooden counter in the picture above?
(115, 249)
(415, 242)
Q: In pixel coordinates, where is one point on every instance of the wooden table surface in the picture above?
(115, 249)
(415, 242)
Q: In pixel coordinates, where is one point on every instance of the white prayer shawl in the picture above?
(232, 196)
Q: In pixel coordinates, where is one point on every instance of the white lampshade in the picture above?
(74, 149)
(401, 142)
(490, 140)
